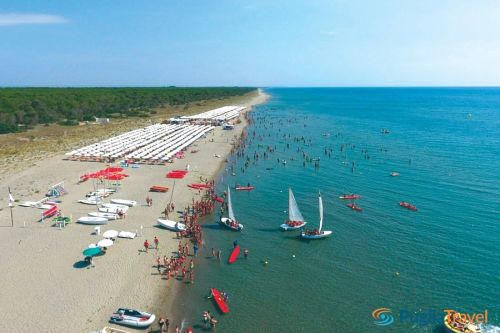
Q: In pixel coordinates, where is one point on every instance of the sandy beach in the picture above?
(46, 287)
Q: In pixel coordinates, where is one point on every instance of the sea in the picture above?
(387, 268)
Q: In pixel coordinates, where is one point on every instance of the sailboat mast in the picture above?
(320, 212)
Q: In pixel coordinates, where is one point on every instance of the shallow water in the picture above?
(447, 254)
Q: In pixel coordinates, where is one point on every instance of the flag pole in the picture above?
(10, 206)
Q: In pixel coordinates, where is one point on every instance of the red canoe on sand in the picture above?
(221, 303)
(157, 188)
(244, 188)
(234, 254)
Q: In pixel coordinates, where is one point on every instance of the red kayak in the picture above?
(349, 196)
(355, 207)
(244, 188)
(221, 303)
(199, 186)
(408, 206)
(218, 199)
(234, 254)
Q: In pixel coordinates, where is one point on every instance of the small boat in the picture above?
(112, 210)
(219, 300)
(394, 174)
(230, 221)
(99, 194)
(171, 225)
(91, 201)
(109, 216)
(156, 188)
(218, 199)
(408, 206)
(355, 207)
(107, 329)
(134, 318)
(244, 188)
(129, 203)
(234, 254)
(317, 233)
(117, 206)
(295, 219)
(349, 196)
(198, 186)
(92, 220)
(459, 326)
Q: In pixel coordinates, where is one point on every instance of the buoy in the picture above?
(293, 255)
(265, 262)
(397, 273)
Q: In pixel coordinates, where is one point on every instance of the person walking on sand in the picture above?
(177, 330)
(156, 241)
(167, 323)
(146, 246)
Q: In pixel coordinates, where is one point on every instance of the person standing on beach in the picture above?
(161, 323)
(167, 323)
(156, 241)
(146, 246)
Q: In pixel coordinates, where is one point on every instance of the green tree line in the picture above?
(30, 106)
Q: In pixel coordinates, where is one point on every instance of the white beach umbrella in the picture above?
(105, 242)
(110, 234)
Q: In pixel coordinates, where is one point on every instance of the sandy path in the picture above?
(43, 287)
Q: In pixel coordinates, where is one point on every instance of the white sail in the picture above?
(229, 205)
(294, 213)
(320, 213)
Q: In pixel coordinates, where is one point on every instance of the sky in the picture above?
(258, 43)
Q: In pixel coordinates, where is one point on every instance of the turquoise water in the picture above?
(447, 254)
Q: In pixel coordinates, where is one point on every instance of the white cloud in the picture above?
(21, 19)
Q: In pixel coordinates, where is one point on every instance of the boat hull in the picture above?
(227, 223)
(244, 188)
(92, 220)
(234, 254)
(128, 203)
(109, 216)
(286, 227)
(221, 303)
(323, 234)
(171, 225)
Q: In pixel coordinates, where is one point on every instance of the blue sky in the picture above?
(250, 43)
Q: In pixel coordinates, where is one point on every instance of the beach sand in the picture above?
(45, 285)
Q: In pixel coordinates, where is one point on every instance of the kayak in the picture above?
(355, 207)
(234, 254)
(349, 196)
(218, 199)
(244, 188)
(408, 206)
(199, 186)
(221, 303)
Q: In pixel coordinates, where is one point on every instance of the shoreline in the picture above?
(43, 262)
(174, 295)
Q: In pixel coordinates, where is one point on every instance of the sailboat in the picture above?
(317, 233)
(295, 219)
(230, 221)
